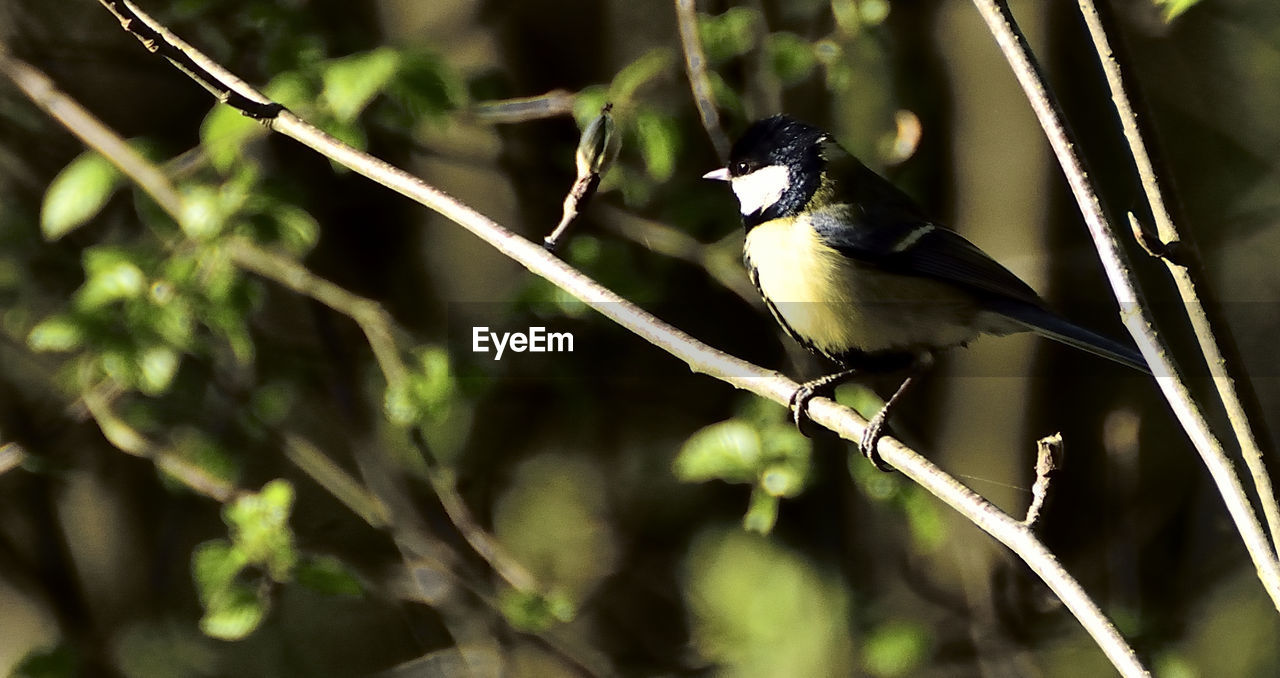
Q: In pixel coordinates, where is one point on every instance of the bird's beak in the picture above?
(721, 174)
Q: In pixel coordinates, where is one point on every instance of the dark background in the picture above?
(568, 459)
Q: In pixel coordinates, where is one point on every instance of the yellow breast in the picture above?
(838, 304)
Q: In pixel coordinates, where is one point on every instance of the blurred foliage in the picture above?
(603, 512)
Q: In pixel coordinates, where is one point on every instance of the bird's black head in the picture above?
(775, 168)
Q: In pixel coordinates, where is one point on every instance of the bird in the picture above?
(855, 271)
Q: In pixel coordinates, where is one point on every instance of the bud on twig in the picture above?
(597, 149)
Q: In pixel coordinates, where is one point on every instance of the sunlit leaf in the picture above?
(790, 56)
(214, 566)
(55, 333)
(588, 102)
(260, 528)
(728, 35)
(224, 134)
(729, 450)
(637, 73)
(236, 614)
(762, 514)
(111, 274)
(351, 82)
(77, 194)
(659, 143)
(1174, 8)
(759, 610)
(895, 649)
(534, 612)
(157, 366)
(203, 214)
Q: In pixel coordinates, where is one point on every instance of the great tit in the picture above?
(855, 271)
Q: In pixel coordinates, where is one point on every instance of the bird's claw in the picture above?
(871, 436)
(800, 407)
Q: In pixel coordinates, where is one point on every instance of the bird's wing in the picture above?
(881, 226)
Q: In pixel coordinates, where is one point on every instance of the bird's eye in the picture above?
(741, 167)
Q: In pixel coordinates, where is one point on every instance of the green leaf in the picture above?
(790, 56)
(351, 82)
(401, 404)
(299, 231)
(224, 134)
(215, 565)
(260, 527)
(729, 451)
(659, 143)
(588, 102)
(725, 36)
(895, 649)
(329, 575)
(111, 274)
(293, 90)
(426, 86)
(535, 612)
(637, 73)
(203, 214)
(55, 333)
(157, 366)
(77, 194)
(1174, 8)
(198, 448)
(762, 514)
(236, 614)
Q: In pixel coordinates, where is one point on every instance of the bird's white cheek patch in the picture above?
(761, 188)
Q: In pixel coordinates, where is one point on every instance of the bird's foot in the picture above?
(871, 436)
(799, 405)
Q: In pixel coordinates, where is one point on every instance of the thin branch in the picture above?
(370, 316)
(1188, 275)
(45, 94)
(699, 357)
(373, 320)
(1137, 318)
(597, 148)
(695, 65)
(446, 488)
(127, 439)
(336, 481)
(1048, 461)
(554, 104)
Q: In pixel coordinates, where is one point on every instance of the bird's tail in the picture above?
(1048, 324)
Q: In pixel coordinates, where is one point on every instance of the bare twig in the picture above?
(373, 320)
(446, 489)
(370, 316)
(1048, 461)
(1137, 318)
(336, 481)
(695, 65)
(553, 104)
(597, 148)
(1188, 275)
(700, 357)
(127, 439)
